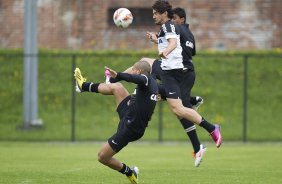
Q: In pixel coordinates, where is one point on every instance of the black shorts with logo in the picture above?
(171, 80)
(124, 134)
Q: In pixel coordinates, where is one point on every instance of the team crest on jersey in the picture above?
(160, 41)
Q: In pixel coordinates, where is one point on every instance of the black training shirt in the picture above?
(187, 41)
(143, 100)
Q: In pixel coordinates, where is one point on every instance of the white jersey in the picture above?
(174, 59)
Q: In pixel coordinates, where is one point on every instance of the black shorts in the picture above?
(123, 107)
(156, 69)
(171, 80)
(186, 86)
(124, 134)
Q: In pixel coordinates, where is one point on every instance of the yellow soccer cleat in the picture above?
(79, 79)
(134, 177)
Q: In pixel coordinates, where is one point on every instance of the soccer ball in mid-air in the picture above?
(122, 17)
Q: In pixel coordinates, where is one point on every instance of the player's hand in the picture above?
(152, 36)
(112, 72)
(163, 55)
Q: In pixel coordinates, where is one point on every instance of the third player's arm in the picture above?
(134, 78)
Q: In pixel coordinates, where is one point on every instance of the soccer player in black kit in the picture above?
(134, 111)
(172, 67)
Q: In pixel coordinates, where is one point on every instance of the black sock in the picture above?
(190, 129)
(90, 87)
(193, 100)
(206, 125)
(126, 170)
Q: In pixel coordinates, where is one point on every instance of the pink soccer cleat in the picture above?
(216, 136)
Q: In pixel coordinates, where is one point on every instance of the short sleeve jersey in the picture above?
(174, 59)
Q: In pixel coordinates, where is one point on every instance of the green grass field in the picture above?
(167, 163)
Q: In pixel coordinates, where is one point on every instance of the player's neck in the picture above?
(165, 20)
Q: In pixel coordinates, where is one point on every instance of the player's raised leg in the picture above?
(79, 80)
(192, 115)
(115, 89)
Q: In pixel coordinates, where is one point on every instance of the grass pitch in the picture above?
(67, 163)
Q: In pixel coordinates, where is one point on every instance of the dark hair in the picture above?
(162, 6)
(180, 12)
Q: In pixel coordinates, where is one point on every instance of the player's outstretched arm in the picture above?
(129, 77)
(133, 78)
(129, 70)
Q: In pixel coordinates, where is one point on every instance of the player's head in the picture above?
(179, 16)
(162, 11)
(141, 67)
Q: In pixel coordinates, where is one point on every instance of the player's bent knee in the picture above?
(117, 86)
(99, 157)
(118, 89)
(102, 158)
(177, 111)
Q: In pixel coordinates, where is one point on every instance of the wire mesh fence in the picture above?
(242, 93)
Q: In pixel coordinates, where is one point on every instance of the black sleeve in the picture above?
(134, 78)
(113, 80)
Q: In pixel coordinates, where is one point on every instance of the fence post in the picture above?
(245, 98)
(30, 98)
(160, 121)
(73, 100)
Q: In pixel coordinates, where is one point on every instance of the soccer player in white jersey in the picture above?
(170, 51)
(187, 42)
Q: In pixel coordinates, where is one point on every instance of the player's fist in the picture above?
(152, 36)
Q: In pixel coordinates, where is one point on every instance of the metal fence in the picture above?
(242, 92)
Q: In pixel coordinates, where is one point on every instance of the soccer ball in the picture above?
(122, 17)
